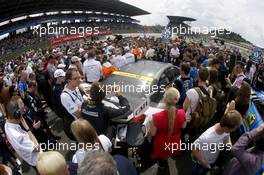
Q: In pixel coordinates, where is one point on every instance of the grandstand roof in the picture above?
(15, 8)
(179, 19)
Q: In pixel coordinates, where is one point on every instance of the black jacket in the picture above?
(100, 115)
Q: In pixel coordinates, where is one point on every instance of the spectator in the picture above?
(92, 69)
(130, 58)
(107, 68)
(193, 70)
(57, 89)
(150, 54)
(71, 100)
(241, 104)
(51, 65)
(166, 127)
(218, 134)
(250, 71)
(22, 140)
(192, 97)
(22, 84)
(98, 163)
(184, 82)
(174, 54)
(239, 68)
(118, 60)
(86, 135)
(76, 63)
(5, 170)
(247, 161)
(52, 163)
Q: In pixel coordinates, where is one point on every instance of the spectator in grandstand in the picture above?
(166, 128)
(247, 161)
(52, 163)
(100, 115)
(22, 140)
(59, 76)
(99, 163)
(183, 83)
(218, 134)
(92, 69)
(174, 54)
(88, 139)
(71, 100)
(118, 60)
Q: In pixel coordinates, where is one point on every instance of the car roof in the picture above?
(146, 68)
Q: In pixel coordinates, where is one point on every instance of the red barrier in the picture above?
(61, 40)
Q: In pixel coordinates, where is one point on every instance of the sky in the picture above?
(245, 17)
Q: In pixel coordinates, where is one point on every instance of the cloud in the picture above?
(244, 17)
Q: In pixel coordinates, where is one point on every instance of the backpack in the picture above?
(219, 97)
(205, 109)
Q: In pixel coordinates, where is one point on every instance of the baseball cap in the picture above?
(61, 66)
(75, 59)
(59, 73)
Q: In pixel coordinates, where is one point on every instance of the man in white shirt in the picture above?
(92, 69)
(192, 96)
(22, 140)
(118, 60)
(174, 54)
(71, 100)
(130, 58)
(150, 54)
(207, 147)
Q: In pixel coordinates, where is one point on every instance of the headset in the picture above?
(17, 113)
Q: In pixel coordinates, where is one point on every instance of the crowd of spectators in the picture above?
(51, 78)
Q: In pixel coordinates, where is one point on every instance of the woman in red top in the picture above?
(166, 127)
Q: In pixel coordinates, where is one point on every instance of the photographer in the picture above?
(21, 139)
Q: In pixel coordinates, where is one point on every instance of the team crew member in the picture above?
(71, 100)
(100, 115)
(92, 69)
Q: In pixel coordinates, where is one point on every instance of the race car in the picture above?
(142, 83)
(255, 116)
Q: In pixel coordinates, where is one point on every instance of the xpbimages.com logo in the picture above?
(65, 30)
(211, 147)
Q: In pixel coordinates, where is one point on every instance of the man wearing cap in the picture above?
(76, 63)
(92, 69)
(57, 89)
